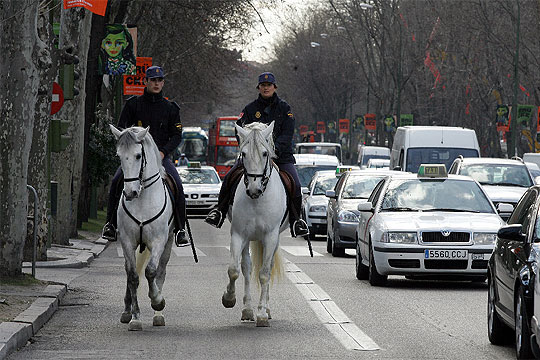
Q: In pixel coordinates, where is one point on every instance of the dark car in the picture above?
(511, 272)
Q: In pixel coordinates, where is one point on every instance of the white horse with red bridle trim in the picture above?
(258, 216)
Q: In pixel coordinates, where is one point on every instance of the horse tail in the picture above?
(257, 259)
(141, 260)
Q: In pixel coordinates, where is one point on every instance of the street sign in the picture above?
(344, 126)
(370, 122)
(57, 98)
(303, 130)
(321, 127)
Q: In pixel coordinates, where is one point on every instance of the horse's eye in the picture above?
(138, 157)
(265, 154)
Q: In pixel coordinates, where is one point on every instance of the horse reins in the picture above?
(263, 176)
(141, 171)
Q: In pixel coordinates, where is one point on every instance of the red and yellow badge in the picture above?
(241, 114)
(258, 114)
(179, 126)
(290, 115)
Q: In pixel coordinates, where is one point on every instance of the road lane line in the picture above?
(328, 312)
(299, 251)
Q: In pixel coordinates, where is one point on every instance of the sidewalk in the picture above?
(65, 264)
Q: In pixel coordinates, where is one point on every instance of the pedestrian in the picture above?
(266, 108)
(183, 160)
(152, 110)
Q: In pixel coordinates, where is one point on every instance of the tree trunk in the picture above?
(19, 83)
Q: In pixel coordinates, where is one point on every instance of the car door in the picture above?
(332, 206)
(373, 199)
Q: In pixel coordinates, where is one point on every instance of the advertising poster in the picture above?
(117, 53)
(133, 84)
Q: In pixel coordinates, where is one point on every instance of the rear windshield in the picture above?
(306, 172)
(436, 155)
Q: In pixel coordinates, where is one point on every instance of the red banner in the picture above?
(321, 127)
(133, 84)
(98, 7)
(303, 129)
(370, 122)
(344, 126)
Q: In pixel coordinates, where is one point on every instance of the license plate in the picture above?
(195, 202)
(477, 256)
(445, 254)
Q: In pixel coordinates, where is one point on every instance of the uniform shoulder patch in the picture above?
(290, 114)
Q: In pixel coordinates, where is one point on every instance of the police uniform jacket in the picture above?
(161, 115)
(277, 110)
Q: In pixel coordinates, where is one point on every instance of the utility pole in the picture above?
(512, 146)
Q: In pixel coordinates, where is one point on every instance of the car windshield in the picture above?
(435, 195)
(436, 155)
(360, 186)
(306, 172)
(366, 158)
(198, 176)
(323, 183)
(498, 174)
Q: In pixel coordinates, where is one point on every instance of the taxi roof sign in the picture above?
(342, 169)
(194, 165)
(432, 171)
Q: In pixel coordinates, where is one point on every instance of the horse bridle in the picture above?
(141, 171)
(263, 176)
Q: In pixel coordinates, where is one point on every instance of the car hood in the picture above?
(351, 204)
(317, 200)
(201, 187)
(504, 193)
(418, 221)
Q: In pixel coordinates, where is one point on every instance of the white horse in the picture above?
(258, 215)
(144, 218)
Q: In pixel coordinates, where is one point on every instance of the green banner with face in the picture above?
(117, 51)
(406, 120)
(389, 123)
(524, 116)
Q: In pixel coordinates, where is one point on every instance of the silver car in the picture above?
(201, 187)
(314, 201)
(342, 214)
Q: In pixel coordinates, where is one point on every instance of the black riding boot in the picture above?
(180, 237)
(216, 216)
(298, 225)
(109, 230)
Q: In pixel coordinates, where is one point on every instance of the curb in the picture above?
(15, 334)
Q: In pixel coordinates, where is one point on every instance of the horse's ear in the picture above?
(242, 133)
(115, 131)
(268, 131)
(141, 134)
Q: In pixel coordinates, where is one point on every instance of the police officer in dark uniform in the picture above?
(163, 117)
(267, 108)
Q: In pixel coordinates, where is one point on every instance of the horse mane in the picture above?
(128, 138)
(255, 138)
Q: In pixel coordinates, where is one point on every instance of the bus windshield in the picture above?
(226, 128)
(226, 155)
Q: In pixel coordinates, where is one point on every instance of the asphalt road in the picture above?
(319, 309)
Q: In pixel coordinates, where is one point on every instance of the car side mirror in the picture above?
(331, 194)
(397, 168)
(505, 208)
(305, 190)
(511, 232)
(365, 206)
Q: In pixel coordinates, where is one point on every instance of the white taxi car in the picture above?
(201, 187)
(428, 223)
(314, 201)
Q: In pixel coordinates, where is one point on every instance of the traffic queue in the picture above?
(465, 218)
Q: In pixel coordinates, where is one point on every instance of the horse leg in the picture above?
(264, 279)
(229, 296)
(159, 319)
(154, 292)
(132, 283)
(126, 315)
(247, 311)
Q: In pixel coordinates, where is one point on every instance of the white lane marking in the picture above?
(333, 318)
(119, 250)
(182, 251)
(299, 251)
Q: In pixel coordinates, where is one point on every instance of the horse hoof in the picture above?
(159, 320)
(262, 322)
(160, 306)
(125, 318)
(228, 303)
(135, 325)
(268, 312)
(247, 314)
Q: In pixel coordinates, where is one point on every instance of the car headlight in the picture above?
(400, 237)
(213, 196)
(317, 208)
(484, 238)
(347, 216)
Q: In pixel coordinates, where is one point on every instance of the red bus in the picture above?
(222, 144)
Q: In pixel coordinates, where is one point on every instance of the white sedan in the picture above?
(201, 187)
(428, 223)
(314, 201)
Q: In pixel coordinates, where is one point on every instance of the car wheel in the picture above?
(375, 279)
(497, 331)
(362, 271)
(337, 251)
(523, 332)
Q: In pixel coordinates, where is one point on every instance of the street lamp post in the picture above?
(513, 124)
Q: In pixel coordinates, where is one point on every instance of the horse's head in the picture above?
(130, 148)
(257, 151)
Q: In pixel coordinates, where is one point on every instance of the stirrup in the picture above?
(109, 232)
(180, 238)
(215, 218)
(300, 228)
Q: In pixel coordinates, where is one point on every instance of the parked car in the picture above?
(366, 153)
(504, 180)
(342, 214)
(378, 164)
(314, 201)
(512, 277)
(321, 148)
(308, 164)
(201, 187)
(428, 223)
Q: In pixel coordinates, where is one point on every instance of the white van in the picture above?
(415, 145)
(365, 153)
(532, 158)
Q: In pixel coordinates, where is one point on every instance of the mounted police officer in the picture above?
(163, 117)
(267, 108)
